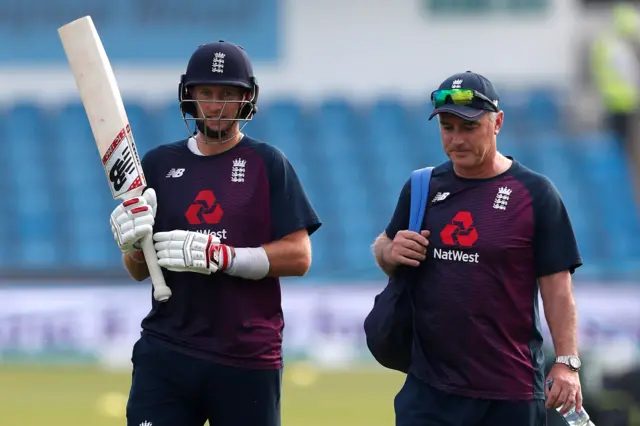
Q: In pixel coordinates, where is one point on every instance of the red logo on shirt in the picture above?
(460, 231)
(204, 209)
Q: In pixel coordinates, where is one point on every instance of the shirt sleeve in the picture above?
(148, 169)
(291, 209)
(555, 245)
(400, 219)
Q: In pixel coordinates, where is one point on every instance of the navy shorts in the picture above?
(172, 389)
(418, 404)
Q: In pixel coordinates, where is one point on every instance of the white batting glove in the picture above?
(187, 251)
(133, 220)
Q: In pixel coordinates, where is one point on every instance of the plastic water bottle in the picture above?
(572, 417)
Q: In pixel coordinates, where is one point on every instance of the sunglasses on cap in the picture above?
(463, 97)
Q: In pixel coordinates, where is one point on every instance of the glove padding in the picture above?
(133, 220)
(188, 251)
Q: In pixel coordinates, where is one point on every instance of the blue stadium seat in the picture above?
(30, 174)
(144, 126)
(518, 146)
(171, 125)
(8, 210)
(514, 104)
(352, 160)
(77, 156)
(385, 136)
(27, 123)
(92, 244)
(7, 252)
(555, 158)
(8, 213)
(543, 108)
(606, 171)
(551, 153)
(426, 132)
(601, 157)
(37, 229)
(256, 127)
(346, 177)
(510, 145)
(85, 193)
(282, 123)
(7, 185)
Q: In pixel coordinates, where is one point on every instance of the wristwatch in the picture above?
(571, 361)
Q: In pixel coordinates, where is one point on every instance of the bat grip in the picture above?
(161, 292)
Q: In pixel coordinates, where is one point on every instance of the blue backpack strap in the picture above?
(419, 194)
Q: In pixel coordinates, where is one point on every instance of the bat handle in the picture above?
(161, 292)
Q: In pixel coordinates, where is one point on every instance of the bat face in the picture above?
(103, 104)
(122, 165)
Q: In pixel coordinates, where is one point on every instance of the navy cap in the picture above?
(478, 107)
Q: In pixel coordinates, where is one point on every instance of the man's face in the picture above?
(465, 142)
(219, 104)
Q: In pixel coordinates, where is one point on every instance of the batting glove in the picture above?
(133, 220)
(188, 251)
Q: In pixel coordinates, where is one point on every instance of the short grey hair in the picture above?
(492, 116)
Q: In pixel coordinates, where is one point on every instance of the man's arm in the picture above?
(560, 312)
(134, 261)
(407, 248)
(380, 246)
(399, 221)
(290, 256)
(136, 266)
(396, 245)
(556, 258)
(294, 220)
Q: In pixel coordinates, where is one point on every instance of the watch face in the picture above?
(574, 362)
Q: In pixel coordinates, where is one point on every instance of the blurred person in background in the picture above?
(495, 234)
(615, 69)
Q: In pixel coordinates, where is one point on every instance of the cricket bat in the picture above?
(110, 126)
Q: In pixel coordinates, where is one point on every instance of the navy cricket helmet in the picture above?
(219, 63)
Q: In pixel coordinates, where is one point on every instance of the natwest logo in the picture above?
(460, 232)
(204, 209)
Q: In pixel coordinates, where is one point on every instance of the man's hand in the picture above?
(187, 251)
(133, 219)
(407, 248)
(566, 389)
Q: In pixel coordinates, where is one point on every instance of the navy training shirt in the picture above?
(477, 330)
(247, 196)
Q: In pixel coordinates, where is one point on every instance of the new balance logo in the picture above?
(121, 169)
(175, 173)
(440, 196)
(121, 163)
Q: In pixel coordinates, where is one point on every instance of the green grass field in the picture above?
(70, 396)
